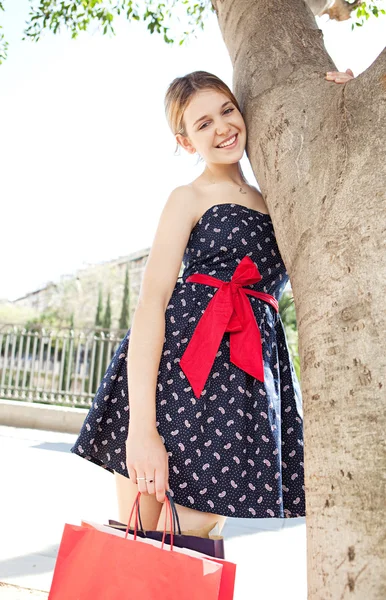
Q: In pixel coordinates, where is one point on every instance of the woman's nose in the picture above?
(222, 128)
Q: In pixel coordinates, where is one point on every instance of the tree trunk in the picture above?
(318, 152)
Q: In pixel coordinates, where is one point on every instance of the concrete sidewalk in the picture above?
(14, 592)
(44, 486)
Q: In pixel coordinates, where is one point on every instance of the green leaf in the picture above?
(162, 17)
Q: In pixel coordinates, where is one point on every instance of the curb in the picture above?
(30, 415)
(14, 592)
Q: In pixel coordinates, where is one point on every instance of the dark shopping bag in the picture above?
(212, 546)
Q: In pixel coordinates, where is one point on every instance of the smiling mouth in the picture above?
(229, 143)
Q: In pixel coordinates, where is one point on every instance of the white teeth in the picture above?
(228, 143)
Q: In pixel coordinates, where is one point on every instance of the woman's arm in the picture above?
(145, 451)
(159, 279)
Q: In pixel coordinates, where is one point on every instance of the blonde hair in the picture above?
(181, 91)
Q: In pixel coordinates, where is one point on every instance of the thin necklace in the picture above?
(240, 187)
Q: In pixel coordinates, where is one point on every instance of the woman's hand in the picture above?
(339, 77)
(147, 462)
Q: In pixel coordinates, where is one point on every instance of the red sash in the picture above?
(229, 310)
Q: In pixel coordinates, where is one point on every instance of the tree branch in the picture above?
(276, 42)
(373, 80)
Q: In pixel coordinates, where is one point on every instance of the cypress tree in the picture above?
(125, 311)
(98, 316)
(98, 323)
(66, 358)
(107, 315)
(106, 326)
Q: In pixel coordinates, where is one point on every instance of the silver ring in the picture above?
(144, 478)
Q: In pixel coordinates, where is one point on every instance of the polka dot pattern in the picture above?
(238, 449)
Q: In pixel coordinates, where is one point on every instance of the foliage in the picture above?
(98, 316)
(107, 315)
(288, 316)
(67, 358)
(3, 42)
(125, 311)
(49, 318)
(80, 15)
(160, 17)
(364, 12)
(15, 313)
(287, 311)
(107, 327)
(16, 380)
(98, 323)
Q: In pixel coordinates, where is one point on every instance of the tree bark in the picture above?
(318, 152)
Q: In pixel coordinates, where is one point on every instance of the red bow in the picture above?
(229, 310)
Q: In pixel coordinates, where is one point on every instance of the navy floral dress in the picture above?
(237, 448)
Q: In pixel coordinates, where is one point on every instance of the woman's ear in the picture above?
(185, 143)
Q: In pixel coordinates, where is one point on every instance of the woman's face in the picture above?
(211, 119)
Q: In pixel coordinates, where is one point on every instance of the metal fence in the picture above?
(54, 366)
(62, 366)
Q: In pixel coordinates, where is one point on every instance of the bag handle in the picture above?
(176, 520)
(168, 513)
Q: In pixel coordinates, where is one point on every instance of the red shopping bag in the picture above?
(211, 548)
(228, 572)
(93, 564)
(228, 575)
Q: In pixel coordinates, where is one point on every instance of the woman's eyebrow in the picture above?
(206, 116)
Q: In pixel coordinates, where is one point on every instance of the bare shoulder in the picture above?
(169, 245)
(181, 203)
(183, 195)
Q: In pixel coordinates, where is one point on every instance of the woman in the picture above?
(201, 397)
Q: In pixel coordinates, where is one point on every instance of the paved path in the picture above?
(44, 486)
(14, 592)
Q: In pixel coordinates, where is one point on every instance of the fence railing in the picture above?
(59, 366)
(54, 366)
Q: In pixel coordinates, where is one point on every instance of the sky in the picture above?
(86, 156)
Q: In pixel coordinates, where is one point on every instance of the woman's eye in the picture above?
(207, 122)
